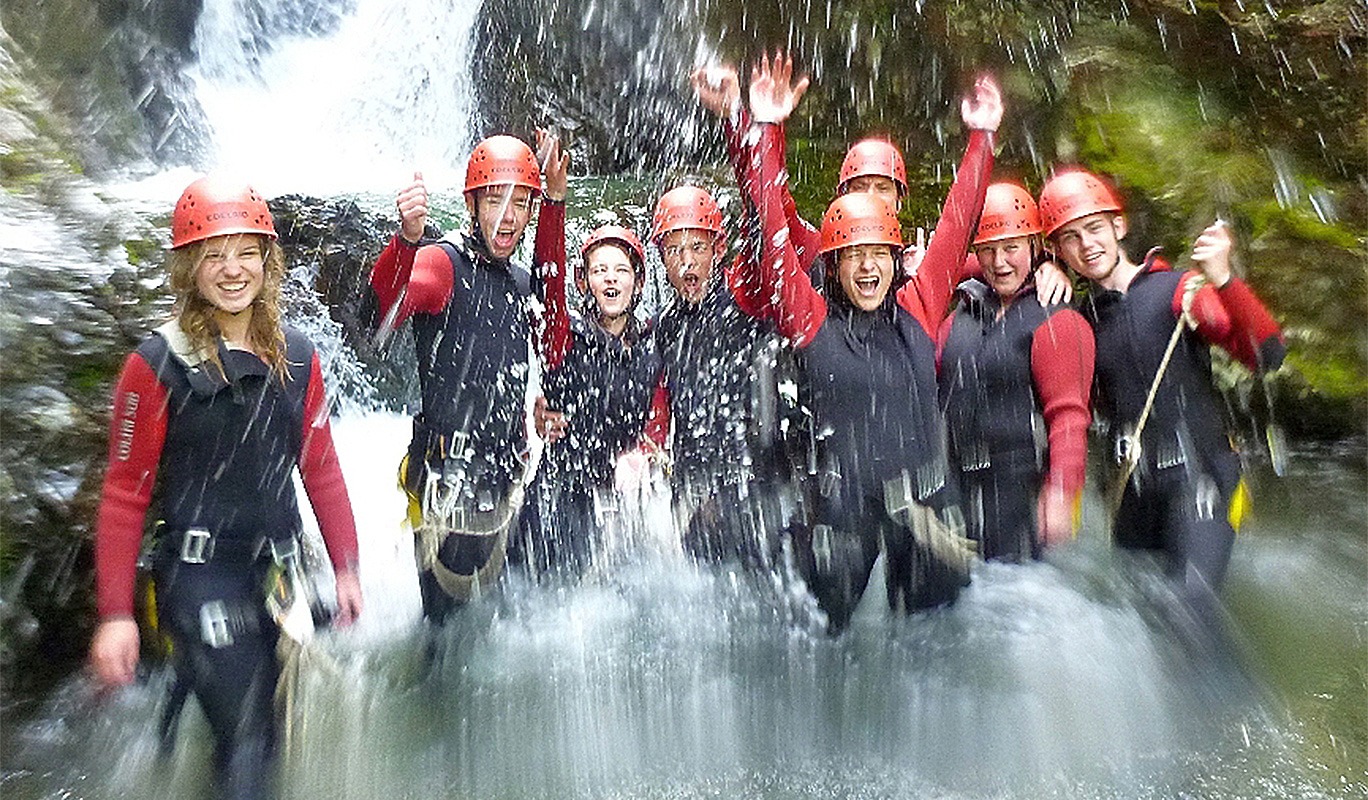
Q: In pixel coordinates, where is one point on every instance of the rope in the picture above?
(1132, 440)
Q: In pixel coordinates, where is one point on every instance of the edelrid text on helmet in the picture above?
(873, 157)
(1073, 194)
(1008, 211)
(686, 208)
(218, 206)
(502, 161)
(859, 219)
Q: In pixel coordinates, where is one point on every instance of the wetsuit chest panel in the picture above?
(1132, 331)
(872, 381)
(986, 385)
(473, 355)
(605, 388)
(232, 441)
(708, 354)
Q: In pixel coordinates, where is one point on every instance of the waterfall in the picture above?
(327, 100)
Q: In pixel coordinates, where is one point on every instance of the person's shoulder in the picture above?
(297, 345)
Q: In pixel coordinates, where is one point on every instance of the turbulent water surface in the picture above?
(656, 678)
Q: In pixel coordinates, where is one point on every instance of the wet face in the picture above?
(1091, 245)
(879, 186)
(231, 272)
(501, 212)
(866, 274)
(1006, 264)
(689, 257)
(611, 280)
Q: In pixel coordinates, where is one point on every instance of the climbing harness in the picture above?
(1128, 445)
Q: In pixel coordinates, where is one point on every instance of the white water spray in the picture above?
(386, 92)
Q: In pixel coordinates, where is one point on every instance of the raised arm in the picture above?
(549, 252)
(406, 278)
(1227, 312)
(927, 295)
(798, 309)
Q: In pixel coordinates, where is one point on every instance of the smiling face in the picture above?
(610, 279)
(866, 274)
(230, 273)
(879, 186)
(689, 257)
(501, 212)
(1091, 246)
(1006, 264)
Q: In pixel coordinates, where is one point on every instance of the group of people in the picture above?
(944, 394)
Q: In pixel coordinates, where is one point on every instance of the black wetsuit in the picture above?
(869, 377)
(604, 387)
(231, 445)
(720, 368)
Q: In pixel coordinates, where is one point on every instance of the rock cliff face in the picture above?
(1254, 111)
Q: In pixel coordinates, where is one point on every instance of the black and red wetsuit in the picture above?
(718, 393)
(1178, 498)
(1014, 386)
(604, 385)
(472, 330)
(871, 382)
(219, 448)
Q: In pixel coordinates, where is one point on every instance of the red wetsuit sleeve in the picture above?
(549, 262)
(1233, 319)
(927, 295)
(743, 138)
(1063, 353)
(942, 336)
(409, 280)
(797, 308)
(137, 431)
(322, 475)
(658, 421)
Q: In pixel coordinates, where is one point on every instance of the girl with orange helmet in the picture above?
(597, 391)
(1015, 377)
(868, 351)
(216, 409)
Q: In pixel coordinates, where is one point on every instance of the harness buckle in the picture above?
(197, 546)
(214, 627)
(285, 551)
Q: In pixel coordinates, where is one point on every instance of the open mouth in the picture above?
(867, 285)
(611, 294)
(504, 238)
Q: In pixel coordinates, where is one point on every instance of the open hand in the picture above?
(555, 164)
(982, 108)
(1053, 286)
(717, 88)
(773, 92)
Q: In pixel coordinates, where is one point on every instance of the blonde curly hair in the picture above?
(196, 315)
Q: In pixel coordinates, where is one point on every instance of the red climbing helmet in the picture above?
(502, 160)
(217, 206)
(1008, 211)
(686, 207)
(859, 218)
(617, 234)
(873, 157)
(1072, 194)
